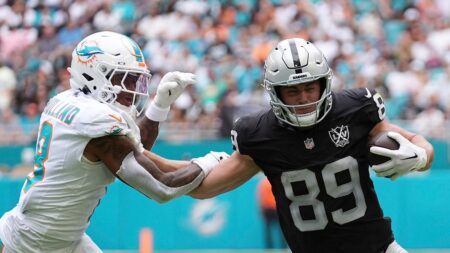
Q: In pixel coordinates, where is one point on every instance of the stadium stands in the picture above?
(399, 47)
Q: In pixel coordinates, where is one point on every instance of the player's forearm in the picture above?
(228, 175)
(149, 130)
(212, 187)
(143, 175)
(420, 141)
(215, 186)
(175, 178)
(164, 164)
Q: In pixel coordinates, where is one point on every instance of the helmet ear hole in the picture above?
(103, 68)
(85, 90)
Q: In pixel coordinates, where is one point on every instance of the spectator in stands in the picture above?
(107, 20)
(70, 34)
(29, 121)
(10, 129)
(377, 40)
(431, 121)
(8, 83)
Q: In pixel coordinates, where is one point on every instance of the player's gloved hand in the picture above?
(171, 86)
(409, 157)
(169, 89)
(210, 160)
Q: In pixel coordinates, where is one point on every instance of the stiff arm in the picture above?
(166, 165)
(123, 159)
(226, 176)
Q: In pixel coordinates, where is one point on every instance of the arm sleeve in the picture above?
(132, 173)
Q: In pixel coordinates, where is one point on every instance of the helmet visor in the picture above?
(133, 88)
(132, 82)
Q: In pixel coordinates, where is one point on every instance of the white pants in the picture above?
(19, 238)
(394, 247)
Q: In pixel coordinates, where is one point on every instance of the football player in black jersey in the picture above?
(312, 147)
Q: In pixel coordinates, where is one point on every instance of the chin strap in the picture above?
(304, 120)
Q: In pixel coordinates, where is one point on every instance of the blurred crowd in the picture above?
(400, 47)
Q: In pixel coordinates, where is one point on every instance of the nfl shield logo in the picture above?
(309, 143)
(340, 136)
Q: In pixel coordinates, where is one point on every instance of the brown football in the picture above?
(384, 141)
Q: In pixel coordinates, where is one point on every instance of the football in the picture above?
(380, 140)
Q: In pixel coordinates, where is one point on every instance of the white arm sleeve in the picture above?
(139, 178)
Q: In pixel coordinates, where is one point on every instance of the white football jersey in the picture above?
(60, 195)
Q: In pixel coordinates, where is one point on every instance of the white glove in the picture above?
(169, 89)
(409, 157)
(210, 160)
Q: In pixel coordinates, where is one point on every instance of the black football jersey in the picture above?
(320, 176)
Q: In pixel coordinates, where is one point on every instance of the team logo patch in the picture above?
(114, 130)
(340, 136)
(309, 143)
(87, 51)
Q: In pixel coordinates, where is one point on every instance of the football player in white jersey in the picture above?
(88, 136)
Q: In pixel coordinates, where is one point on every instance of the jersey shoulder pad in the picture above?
(247, 129)
(359, 94)
(364, 100)
(97, 119)
(249, 123)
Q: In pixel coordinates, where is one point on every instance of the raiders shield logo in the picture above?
(340, 136)
(309, 143)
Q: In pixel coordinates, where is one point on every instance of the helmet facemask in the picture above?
(126, 89)
(289, 113)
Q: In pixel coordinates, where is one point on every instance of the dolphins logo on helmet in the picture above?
(87, 51)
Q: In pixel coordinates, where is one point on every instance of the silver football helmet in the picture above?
(111, 68)
(292, 62)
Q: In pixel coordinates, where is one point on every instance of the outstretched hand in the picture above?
(169, 89)
(171, 86)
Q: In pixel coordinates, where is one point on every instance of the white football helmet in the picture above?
(292, 62)
(111, 68)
